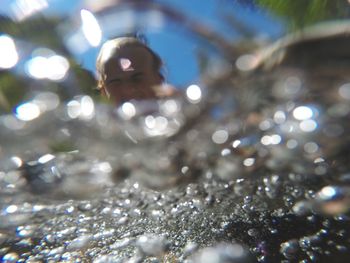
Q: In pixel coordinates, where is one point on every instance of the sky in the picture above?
(171, 41)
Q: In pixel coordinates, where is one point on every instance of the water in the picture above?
(77, 206)
(254, 169)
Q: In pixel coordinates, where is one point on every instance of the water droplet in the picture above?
(253, 232)
(344, 91)
(79, 243)
(70, 209)
(302, 113)
(10, 258)
(311, 147)
(329, 193)
(11, 209)
(220, 136)
(223, 253)
(25, 231)
(152, 244)
(302, 208)
(290, 249)
(249, 162)
(119, 244)
(123, 220)
(85, 206)
(50, 238)
(342, 248)
(190, 248)
(332, 200)
(194, 94)
(66, 232)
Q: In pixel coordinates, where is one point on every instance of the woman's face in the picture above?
(130, 74)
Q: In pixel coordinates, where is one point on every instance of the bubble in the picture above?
(292, 144)
(127, 110)
(54, 67)
(302, 113)
(290, 249)
(79, 242)
(279, 117)
(329, 193)
(275, 139)
(248, 199)
(11, 209)
(56, 252)
(10, 258)
(25, 231)
(194, 94)
(225, 152)
(121, 243)
(243, 187)
(332, 200)
(104, 234)
(170, 107)
(223, 253)
(87, 107)
(102, 167)
(50, 239)
(249, 162)
(236, 143)
(342, 248)
(266, 140)
(27, 111)
(73, 109)
(106, 259)
(220, 136)
(344, 91)
(91, 28)
(253, 232)
(308, 125)
(246, 62)
(311, 147)
(293, 84)
(47, 101)
(265, 125)
(8, 52)
(151, 244)
(156, 125)
(123, 220)
(46, 158)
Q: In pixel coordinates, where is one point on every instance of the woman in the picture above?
(129, 70)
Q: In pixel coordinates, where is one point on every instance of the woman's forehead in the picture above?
(129, 58)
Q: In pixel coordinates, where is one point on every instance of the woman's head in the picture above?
(128, 69)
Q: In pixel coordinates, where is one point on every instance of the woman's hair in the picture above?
(111, 47)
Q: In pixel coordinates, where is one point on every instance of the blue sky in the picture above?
(172, 42)
(209, 12)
